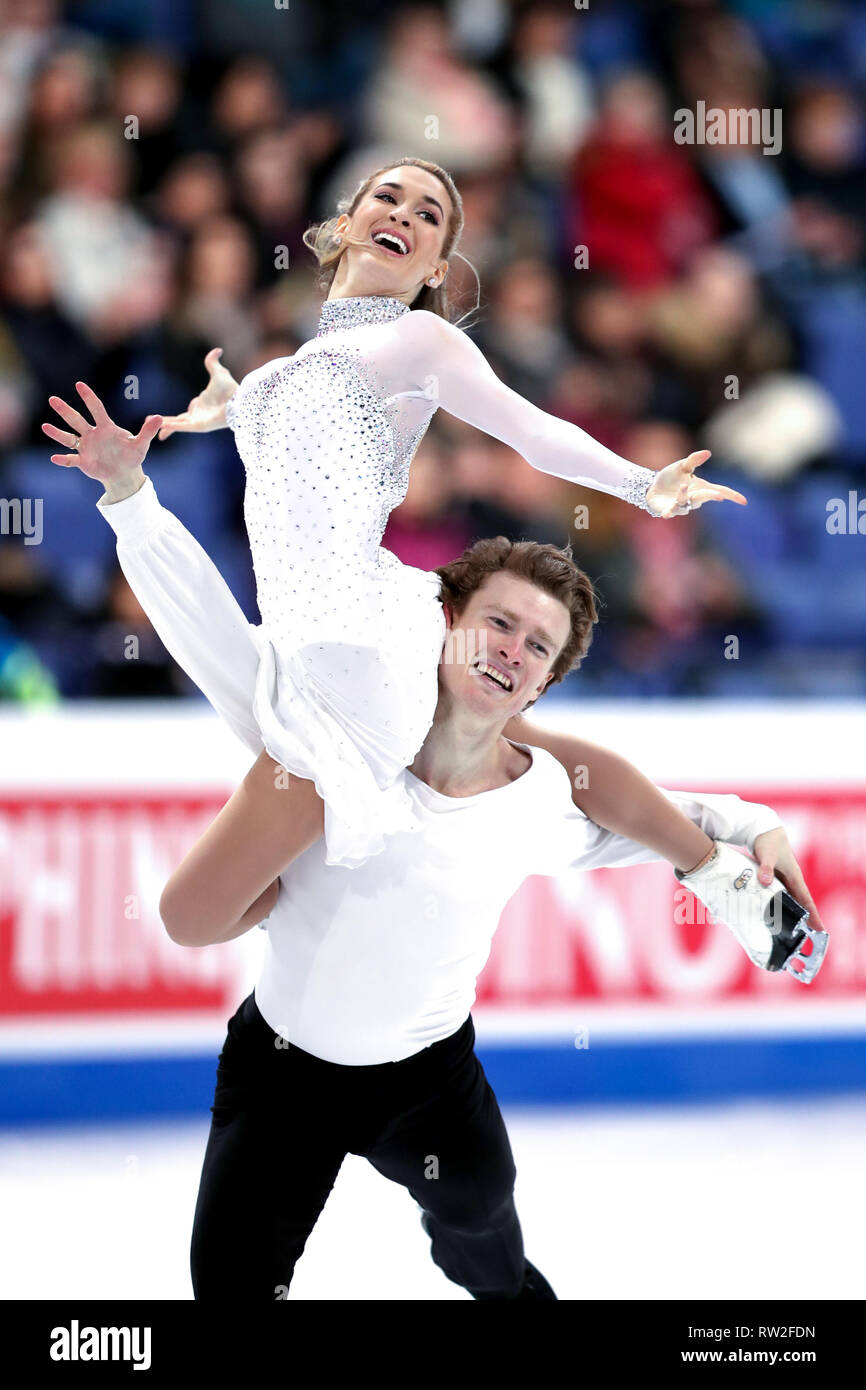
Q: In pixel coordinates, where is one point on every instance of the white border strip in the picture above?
(112, 1036)
(687, 743)
(186, 1034)
(651, 1021)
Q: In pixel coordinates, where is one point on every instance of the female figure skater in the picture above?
(351, 639)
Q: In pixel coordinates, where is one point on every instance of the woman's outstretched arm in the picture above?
(444, 364)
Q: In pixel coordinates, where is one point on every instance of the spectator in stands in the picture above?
(637, 203)
(422, 79)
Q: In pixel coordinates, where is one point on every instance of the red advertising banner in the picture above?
(80, 882)
(81, 877)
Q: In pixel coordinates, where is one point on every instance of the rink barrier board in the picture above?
(81, 981)
(81, 938)
(612, 1073)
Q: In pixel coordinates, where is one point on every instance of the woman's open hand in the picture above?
(102, 450)
(676, 490)
(207, 410)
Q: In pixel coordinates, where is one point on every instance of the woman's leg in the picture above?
(271, 819)
(614, 794)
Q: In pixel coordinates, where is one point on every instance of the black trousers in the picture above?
(284, 1120)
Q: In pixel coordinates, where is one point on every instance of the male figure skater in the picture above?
(358, 1037)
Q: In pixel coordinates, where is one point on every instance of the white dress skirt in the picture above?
(350, 712)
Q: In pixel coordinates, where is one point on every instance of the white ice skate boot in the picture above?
(770, 925)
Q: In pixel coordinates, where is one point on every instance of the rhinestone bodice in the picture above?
(327, 452)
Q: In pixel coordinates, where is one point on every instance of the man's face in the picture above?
(499, 651)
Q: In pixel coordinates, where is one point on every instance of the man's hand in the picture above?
(102, 450)
(676, 490)
(207, 410)
(775, 856)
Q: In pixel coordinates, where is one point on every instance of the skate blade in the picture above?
(811, 964)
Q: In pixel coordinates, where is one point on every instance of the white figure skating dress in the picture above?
(350, 639)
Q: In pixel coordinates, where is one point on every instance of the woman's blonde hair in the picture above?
(319, 238)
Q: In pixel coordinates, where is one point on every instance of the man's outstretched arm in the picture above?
(643, 822)
(612, 792)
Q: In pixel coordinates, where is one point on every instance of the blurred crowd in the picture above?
(665, 297)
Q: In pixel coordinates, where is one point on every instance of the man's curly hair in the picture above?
(550, 568)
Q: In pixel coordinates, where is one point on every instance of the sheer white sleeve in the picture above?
(189, 604)
(442, 362)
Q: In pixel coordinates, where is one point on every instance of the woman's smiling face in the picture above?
(394, 238)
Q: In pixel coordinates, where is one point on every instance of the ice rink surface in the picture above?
(743, 1201)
